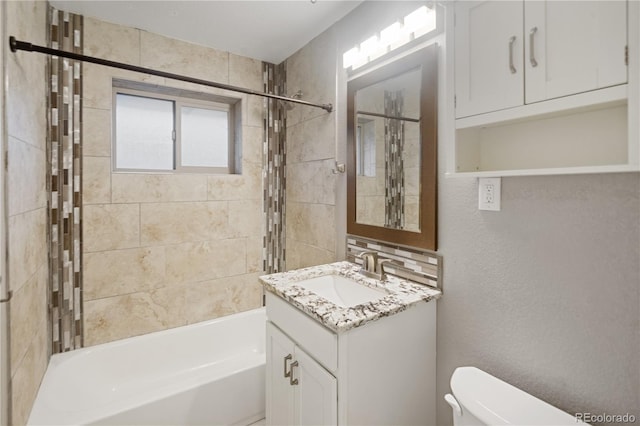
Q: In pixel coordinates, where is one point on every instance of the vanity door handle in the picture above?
(532, 54)
(512, 40)
(287, 358)
(293, 381)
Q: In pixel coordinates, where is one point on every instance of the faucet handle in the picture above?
(381, 264)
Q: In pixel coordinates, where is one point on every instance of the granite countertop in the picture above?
(402, 294)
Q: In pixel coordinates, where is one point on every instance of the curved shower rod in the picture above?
(16, 45)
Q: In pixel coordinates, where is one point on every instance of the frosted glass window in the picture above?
(173, 130)
(144, 133)
(204, 137)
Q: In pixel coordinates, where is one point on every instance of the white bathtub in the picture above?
(210, 373)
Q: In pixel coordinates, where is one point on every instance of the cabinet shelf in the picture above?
(582, 102)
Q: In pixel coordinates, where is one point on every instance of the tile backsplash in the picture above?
(422, 266)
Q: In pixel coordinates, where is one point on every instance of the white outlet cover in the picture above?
(489, 193)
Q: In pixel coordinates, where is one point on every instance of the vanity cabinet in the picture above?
(518, 52)
(302, 392)
(378, 373)
(542, 87)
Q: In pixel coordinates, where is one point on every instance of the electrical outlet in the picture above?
(489, 193)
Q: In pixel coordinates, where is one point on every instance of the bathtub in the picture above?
(210, 373)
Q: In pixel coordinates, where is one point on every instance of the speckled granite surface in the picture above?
(401, 295)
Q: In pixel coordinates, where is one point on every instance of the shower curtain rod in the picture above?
(16, 45)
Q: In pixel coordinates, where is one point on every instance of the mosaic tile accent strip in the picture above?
(421, 266)
(64, 171)
(393, 161)
(274, 169)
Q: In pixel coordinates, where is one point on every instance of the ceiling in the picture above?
(269, 30)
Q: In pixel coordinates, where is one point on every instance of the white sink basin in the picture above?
(341, 291)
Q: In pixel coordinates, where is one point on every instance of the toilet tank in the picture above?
(481, 399)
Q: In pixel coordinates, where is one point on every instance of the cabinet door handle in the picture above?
(287, 358)
(293, 381)
(532, 53)
(512, 40)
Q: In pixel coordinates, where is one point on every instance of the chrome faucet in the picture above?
(373, 267)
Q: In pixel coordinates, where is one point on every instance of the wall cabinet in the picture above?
(543, 87)
(380, 373)
(517, 52)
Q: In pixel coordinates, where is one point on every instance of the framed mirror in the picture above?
(392, 129)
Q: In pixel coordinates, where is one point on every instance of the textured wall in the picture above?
(27, 245)
(164, 250)
(544, 294)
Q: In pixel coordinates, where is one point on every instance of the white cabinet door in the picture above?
(578, 46)
(299, 390)
(489, 70)
(316, 392)
(280, 396)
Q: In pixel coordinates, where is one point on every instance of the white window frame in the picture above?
(180, 98)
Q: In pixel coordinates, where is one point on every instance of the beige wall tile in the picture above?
(252, 139)
(311, 140)
(110, 41)
(304, 73)
(28, 311)
(312, 182)
(152, 188)
(26, 378)
(245, 218)
(97, 84)
(172, 223)
(216, 298)
(111, 273)
(96, 180)
(254, 254)
(179, 57)
(27, 246)
(25, 20)
(111, 226)
(26, 95)
(26, 115)
(96, 132)
(248, 185)
(300, 255)
(207, 260)
(245, 72)
(26, 177)
(254, 111)
(118, 317)
(308, 223)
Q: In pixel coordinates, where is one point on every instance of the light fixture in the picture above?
(416, 24)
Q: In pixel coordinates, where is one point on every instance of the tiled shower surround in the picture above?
(312, 215)
(165, 250)
(27, 206)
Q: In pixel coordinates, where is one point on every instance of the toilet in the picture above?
(481, 399)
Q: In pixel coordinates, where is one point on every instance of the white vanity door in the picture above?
(299, 390)
(316, 392)
(279, 393)
(578, 46)
(489, 71)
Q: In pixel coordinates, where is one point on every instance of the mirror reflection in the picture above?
(387, 137)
